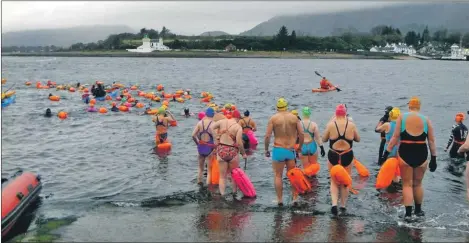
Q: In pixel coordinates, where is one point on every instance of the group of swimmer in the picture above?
(408, 137)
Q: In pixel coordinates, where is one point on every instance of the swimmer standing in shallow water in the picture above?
(203, 137)
(162, 123)
(465, 149)
(312, 138)
(413, 130)
(383, 120)
(457, 137)
(286, 128)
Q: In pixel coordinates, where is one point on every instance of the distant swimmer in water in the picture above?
(203, 137)
(114, 107)
(187, 113)
(162, 123)
(147, 110)
(78, 85)
(413, 130)
(383, 120)
(388, 129)
(48, 113)
(341, 133)
(457, 137)
(312, 138)
(465, 149)
(230, 144)
(325, 84)
(286, 128)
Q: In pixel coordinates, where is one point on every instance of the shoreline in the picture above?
(220, 54)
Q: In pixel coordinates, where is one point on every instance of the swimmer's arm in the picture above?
(317, 135)
(239, 139)
(253, 125)
(431, 139)
(301, 133)
(153, 118)
(356, 136)
(451, 137)
(325, 136)
(170, 117)
(268, 133)
(194, 133)
(464, 148)
(382, 127)
(395, 135)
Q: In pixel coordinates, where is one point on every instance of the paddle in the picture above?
(337, 88)
(10, 87)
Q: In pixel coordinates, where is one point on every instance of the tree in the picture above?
(282, 39)
(142, 32)
(398, 31)
(411, 38)
(165, 32)
(293, 39)
(453, 38)
(378, 30)
(425, 35)
(465, 40)
(440, 35)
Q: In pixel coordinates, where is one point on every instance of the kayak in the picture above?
(324, 90)
(7, 101)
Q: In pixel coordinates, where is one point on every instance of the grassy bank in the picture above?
(216, 54)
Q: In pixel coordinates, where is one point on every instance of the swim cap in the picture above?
(306, 111)
(282, 104)
(340, 110)
(394, 113)
(459, 117)
(246, 113)
(294, 112)
(201, 115)
(210, 112)
(161, 110)
(414, 102)
(113, 103)
(228, 106)
(236, 114)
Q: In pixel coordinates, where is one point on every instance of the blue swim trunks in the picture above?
(309, 149)
(282, 154)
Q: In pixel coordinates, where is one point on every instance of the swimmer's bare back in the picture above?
(285, 129)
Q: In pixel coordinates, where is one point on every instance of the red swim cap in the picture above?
(340, 110)
(236, 114)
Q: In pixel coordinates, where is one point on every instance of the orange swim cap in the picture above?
(113, 103)
(340, 110)
(414, 102)
(459, 117)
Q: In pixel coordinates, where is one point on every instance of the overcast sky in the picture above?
(180, 17)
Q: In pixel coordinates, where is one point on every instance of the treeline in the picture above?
(283, 40)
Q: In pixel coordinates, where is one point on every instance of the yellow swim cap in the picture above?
(414, 102)
(294, 112)
(394, 113)
(161, 110)
(282, 104)
(228, 106)
(164, 107)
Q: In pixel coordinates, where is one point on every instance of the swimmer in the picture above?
(325, 84)
(135, 103)
(48, 113)
(50, 95)
(465, 149)
(78, 85)
(413, 130)
(286, 128)
(187, 113)
(383, 120)
(147, 110)
(188, 91)
(247, 123)
(349, 118)
(229, 145)
(204, 139)
(341, 133)
(174, 97)
(457, 137)
(388, 129)
(114, 107)
(162, 123)
(312, 138)
(236, 115)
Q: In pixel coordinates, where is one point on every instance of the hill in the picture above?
(63, 37)
(214, 33)
(453, 16)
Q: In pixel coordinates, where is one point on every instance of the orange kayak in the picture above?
(323, 90)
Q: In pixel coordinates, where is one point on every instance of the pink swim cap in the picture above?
(340, 110)
(201, 115)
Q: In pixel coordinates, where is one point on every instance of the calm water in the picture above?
(99, 169)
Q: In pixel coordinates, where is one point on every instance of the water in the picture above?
(98, 168)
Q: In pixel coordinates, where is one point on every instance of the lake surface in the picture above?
(99, 168)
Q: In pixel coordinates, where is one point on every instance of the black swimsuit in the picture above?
(413, 150)
(345, 158)
(162, 136)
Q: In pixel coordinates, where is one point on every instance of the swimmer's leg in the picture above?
(407, 175)
(313, 159)
(418, 174)
(381, 150)
(209, 168)
(223, 166)
(278, 182)
(334, 192)
(201, 170)
(290, 165)
(467, 178)
(344, 191)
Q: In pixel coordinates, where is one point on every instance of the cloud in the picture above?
(181, 17)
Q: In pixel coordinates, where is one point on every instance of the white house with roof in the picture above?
(149, 45)
(395, 48)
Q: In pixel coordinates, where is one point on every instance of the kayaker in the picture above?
(457, 137)
(48, 113)
(325, 84)
(383, 120)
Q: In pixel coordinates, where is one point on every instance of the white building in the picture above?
(395, 48)
(150, 45)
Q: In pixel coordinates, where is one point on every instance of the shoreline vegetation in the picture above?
(219, 54)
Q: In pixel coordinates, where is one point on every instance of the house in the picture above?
(375, 49)
(394, 48)
(149, 45)
(230, 47)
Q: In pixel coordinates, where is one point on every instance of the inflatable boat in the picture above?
(18, 194)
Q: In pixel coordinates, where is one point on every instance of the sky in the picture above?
(182, 17)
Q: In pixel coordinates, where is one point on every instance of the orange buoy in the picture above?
(123, 108)
(164, 146)
(187, 97)
(149, 95)
(173, 123)
(204, 94)
(86, 90)
(54, 98)
(102, 110)
(28, 83)
(361, 169)
(168, 96)
(388, 170)
(139, 105)
(159, 87)
(206, 99)
(131, 100)
(312, 169)
(62, 115)
(180, 100)
(157, 99)
(133, 88)
(141, 94)
(215, 171)
(166, 103)
(108, 97)
(152, 112)
(93, 101)
(298, 181)
(342, 177)
(71, 89)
